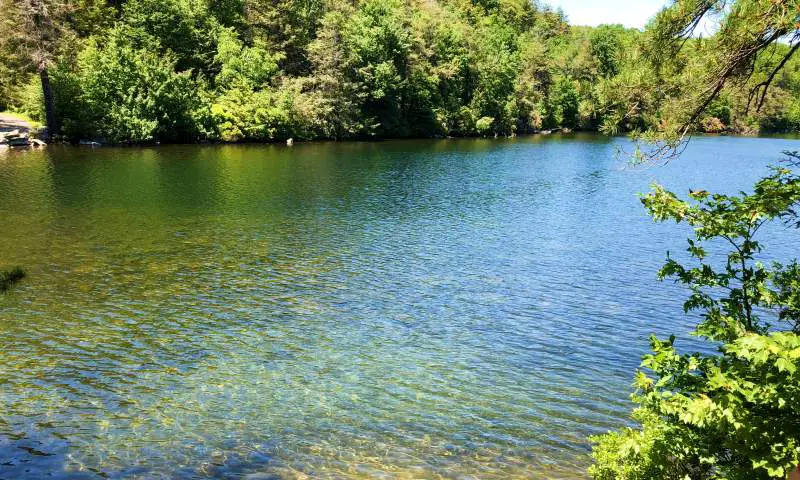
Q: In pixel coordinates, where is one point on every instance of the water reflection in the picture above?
(397, 309)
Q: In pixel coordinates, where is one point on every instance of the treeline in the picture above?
(141, 71)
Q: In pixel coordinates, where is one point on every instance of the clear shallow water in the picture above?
(410, 309)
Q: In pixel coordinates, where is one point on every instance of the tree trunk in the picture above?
(795, 475)
(49, 104)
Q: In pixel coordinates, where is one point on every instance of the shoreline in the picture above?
(10, 122)
(293, 142)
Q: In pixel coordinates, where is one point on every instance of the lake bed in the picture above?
(400, 309)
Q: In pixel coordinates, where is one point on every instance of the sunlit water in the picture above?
(410, 309)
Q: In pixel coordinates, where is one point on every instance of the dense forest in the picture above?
(140, 71)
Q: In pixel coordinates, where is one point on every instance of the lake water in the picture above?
(404, 309)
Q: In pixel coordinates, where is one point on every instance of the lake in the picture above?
(399, 309)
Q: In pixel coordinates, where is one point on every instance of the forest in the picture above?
(146, 71)
(398, 312)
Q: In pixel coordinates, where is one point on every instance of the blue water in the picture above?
(405, 309)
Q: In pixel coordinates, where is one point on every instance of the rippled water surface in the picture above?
(409, 309)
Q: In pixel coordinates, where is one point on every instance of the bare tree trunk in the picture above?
(795, 475)
(49, 104)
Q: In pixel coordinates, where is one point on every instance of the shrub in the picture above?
(484, 125)
(735, 414)
(129, 91)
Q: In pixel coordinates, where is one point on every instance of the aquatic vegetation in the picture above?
(10, 277)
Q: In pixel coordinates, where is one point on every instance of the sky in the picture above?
(631, 13)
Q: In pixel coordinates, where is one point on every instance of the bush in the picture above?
(31, 99)
(128, 92)
(268, 114)
(712, 125)
(484, 125)
(736, 414)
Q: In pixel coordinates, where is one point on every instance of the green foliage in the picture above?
(379, 43)
(184, 27)
(265, 115)
(29, 99)
(735, 414)
(750, 59)
(289, 25)
(240, 65)
(484, 125)
(564, 103)
(605, 47)
(127, 91)
(89, 17)
(394, 68)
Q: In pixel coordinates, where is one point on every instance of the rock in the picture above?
(290, 142)
(18, 141)
(88, 143)
(261, 476)
(37, 143)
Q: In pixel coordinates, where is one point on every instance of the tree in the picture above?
(289, 25)
(748, 30)
(34, 35)
(186, 28)
(332, 80)
(605, 48)
(422, 68)
(733, 415)
(130, 92)
(736, 414)
(564, 103)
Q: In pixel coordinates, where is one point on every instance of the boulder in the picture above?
(18, 141)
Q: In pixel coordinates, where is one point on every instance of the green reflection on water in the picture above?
(332, 310)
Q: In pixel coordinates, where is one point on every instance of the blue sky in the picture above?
(631, 13)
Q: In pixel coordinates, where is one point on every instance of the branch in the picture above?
(764, 86)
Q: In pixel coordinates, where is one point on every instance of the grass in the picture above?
(10, 277)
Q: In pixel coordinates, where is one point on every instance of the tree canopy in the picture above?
(746, 68)
(255, 70)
